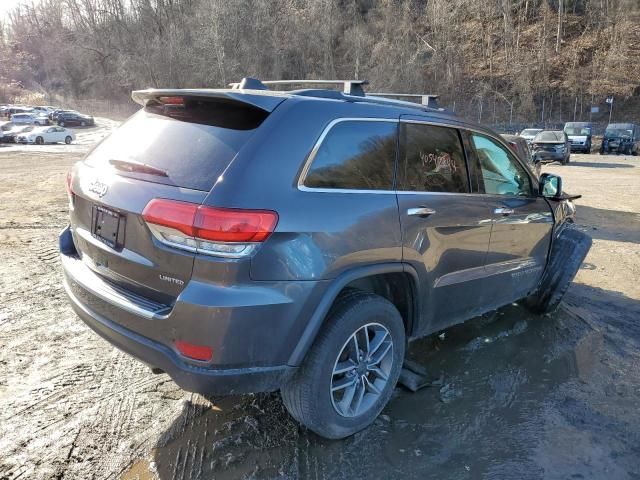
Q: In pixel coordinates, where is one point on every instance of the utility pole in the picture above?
(610, 102)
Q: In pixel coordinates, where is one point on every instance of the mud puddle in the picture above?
(493, 379)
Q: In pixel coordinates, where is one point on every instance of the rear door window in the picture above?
(431, 159)
(355, 155)
(192, 143)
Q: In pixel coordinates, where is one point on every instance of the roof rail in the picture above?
(430, 101)
(350, 87)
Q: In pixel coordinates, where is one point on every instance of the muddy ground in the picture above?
(521, 396)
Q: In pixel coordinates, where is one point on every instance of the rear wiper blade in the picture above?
(138, 167)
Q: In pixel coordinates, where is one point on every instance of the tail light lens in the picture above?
(202, 353)
(222, 232)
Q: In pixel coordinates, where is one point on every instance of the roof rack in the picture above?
(353, 88)
(427, 100)
(350, 87)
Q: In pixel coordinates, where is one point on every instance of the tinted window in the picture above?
(355, 155)
(431, 159)
(192, 153)
(501, 172)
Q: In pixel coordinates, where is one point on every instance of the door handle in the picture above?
(503, 211)
(420, 211)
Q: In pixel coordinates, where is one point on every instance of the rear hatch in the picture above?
(175, 148)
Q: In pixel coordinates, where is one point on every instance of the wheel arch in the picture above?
(351, 277)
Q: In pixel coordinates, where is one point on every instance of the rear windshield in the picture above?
(192, 144)
(549, 137)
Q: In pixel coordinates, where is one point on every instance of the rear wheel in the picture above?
(39, 140)
(350, 372)
(67, 140)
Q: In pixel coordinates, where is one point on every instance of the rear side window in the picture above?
(431, 159)
(355, 155)
(192, 143)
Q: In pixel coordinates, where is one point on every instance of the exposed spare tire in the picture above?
(567, 254)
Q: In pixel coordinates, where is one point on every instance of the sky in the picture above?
(8, 5)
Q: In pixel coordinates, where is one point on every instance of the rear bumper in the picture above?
(252, 338)
(188, 377)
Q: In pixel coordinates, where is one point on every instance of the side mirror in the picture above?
(550, 185)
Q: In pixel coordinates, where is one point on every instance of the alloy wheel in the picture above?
(361, 371)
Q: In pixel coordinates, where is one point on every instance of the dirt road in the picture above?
(520, 396)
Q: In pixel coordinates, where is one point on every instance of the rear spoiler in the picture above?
(264, 100)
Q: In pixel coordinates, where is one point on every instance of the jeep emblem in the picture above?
(98, 188)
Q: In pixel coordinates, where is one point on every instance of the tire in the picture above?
(567, 254)
(83, 124)
(67, 139)
(39, 140)
(61, 124)
(37, 123)
(309, 397)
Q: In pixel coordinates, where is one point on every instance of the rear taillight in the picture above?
(196, 352)
(226, 232)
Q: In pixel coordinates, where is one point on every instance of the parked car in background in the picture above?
(551, 146)
(521, 147)
(579, 134)
(15, 109)
(5, 128)
(529, 133)
(12, 134)
(74, 118)
(43, 135)
(29, 119)
(233, 286)
(621, 138)
(44, 109)
(53, 116)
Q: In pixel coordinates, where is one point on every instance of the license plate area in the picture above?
(107, 226)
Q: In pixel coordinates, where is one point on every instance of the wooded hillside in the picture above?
(491, 59)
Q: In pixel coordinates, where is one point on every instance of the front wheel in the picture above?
(83, 124)
(67, 140)
(39, 140)
(351, 370)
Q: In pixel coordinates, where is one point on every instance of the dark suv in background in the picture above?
(67, 119)
(621, 138)
(255, 240)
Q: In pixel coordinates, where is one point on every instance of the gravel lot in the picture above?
(517, 395)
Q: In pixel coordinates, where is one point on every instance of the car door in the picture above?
(522, 222)
(49, 135)
(445, 227)
(59, 134)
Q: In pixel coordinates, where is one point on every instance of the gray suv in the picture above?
(248, 240)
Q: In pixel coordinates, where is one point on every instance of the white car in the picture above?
(529, 134)
(44, 135)
(29, 119)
